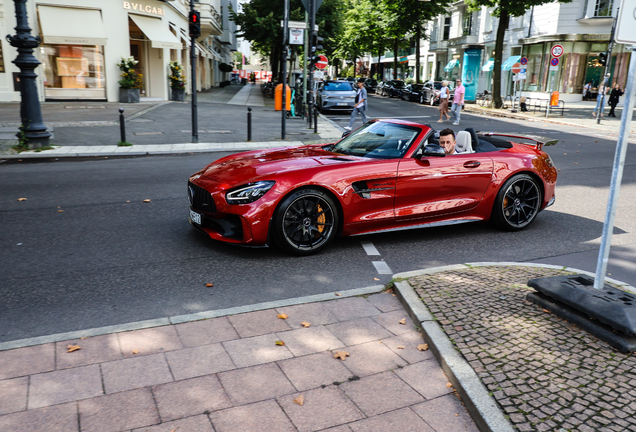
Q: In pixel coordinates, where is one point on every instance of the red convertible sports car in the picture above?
(387, 175)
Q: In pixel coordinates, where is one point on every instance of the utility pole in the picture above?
(32, 127)
(285, 34)
(306, 51)
(312, 30)
(193, 68)
(608, 63)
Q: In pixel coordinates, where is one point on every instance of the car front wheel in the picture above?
(517, 204)
(422, 99)
(305, 222)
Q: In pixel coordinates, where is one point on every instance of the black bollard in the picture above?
(310, 117)
(315, 121)
(249, 123)
(122, 125)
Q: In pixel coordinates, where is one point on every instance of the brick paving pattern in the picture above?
(544, 373)
(228, 374)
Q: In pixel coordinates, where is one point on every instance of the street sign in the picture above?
(523, 61)
(296, 36)
(319, 75)
(322, 63)
(306, 4)
(554, 62)
(522, 75)
(516, 68)
(557, 51)
(297, 25)
(626, 24)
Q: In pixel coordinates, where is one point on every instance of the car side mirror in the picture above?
(434, 150)
(345, 134)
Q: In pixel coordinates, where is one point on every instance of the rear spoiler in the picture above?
(539, 141)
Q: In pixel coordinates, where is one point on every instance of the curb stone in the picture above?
(481, 406)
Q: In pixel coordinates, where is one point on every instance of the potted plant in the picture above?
(130, 82)
(177, 82)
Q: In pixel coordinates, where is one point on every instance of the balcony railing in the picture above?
(462, 40)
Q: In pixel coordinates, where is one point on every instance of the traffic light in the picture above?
(602, 59)
(195, 24)
(316, 43)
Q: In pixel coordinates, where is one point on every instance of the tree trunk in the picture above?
(335, 63)
(275, 61)
(395, 57)
(377, 72)
(418, 35)
(504, 19)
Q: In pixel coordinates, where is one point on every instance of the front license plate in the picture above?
(195, 217)
(342, 104)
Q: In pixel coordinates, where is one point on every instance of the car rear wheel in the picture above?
(305, 222)
(517, 203)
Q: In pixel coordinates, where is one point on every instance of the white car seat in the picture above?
(463, 143)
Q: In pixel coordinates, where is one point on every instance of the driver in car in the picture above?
(447, 140)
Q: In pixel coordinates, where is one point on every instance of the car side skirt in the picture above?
(421, 225)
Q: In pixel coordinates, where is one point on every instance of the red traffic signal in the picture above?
(195, 24)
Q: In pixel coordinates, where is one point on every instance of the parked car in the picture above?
(430, 91)
(412, 92)
(302, 198)
(370, 84)
(336, 95)
(392, 88)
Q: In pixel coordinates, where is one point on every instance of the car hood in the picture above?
(339, 93)
(267, 165)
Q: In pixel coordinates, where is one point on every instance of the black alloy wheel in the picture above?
(305, 222)
(517, 204)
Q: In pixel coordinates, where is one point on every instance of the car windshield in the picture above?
(372, 82)
(398, 84)
(416, 87)
(338, 86)
(378, 140)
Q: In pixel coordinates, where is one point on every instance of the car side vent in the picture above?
(200, 199)
(338, 158)
(361, 189)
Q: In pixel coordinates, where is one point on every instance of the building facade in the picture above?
(83, 41)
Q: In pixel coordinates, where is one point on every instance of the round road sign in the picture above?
(523, 61)
(322, 63)
(516, 68)
(557, 51)
(554, 61)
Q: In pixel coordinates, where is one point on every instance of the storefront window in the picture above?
(73, 71)
(574, 67)
(534, 54)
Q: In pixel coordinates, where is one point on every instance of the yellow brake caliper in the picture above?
(321, 220)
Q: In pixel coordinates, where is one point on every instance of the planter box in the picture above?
(128, 95)
(178, 95)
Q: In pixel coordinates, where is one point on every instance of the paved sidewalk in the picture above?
(230, 373)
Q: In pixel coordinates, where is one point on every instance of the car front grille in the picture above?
(200, 199)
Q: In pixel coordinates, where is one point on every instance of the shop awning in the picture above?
(488, 66)
(158, 33)
(451, 65)
(70, 26)
(509, 63)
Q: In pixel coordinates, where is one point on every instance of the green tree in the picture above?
(504, 9)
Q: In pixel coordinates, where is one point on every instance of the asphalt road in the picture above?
(109, 258)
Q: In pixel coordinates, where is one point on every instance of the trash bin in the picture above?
(278, 98)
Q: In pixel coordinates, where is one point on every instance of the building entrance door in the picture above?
(138, 53)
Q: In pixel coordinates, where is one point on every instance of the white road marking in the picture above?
(382, 267)
(369, 248)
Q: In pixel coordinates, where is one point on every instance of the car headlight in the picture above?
(248, 193)
(326, 97)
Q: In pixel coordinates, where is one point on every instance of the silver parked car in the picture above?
(336, 95)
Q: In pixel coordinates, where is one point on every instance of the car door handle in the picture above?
(472, 164)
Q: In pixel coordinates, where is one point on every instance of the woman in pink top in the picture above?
(458, 101)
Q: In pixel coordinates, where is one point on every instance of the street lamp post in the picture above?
(32, 126)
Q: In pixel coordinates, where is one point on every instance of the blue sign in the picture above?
(470, 72)
(554, 61)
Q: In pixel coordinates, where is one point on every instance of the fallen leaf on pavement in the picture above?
(174, 430)
(21, 199)
(305, 324)
(128, 201)
(341, 355)
(376, 279)
(283, 316)
(84, 337)
(300, 400)
(449, 385)
(135, 351)
(280, 343)
(209, 285)
(403, 321)
(422, 347)
(401, 347)
(545, 310)
(60, 211)
(71, 348)
(147, 201)
(338, 294)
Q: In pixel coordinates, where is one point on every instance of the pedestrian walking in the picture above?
(615, 94)
(458, 101)
(602, 89)
(444, 93)
(360, 106)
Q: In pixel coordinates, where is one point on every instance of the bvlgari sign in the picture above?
(139, 7)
